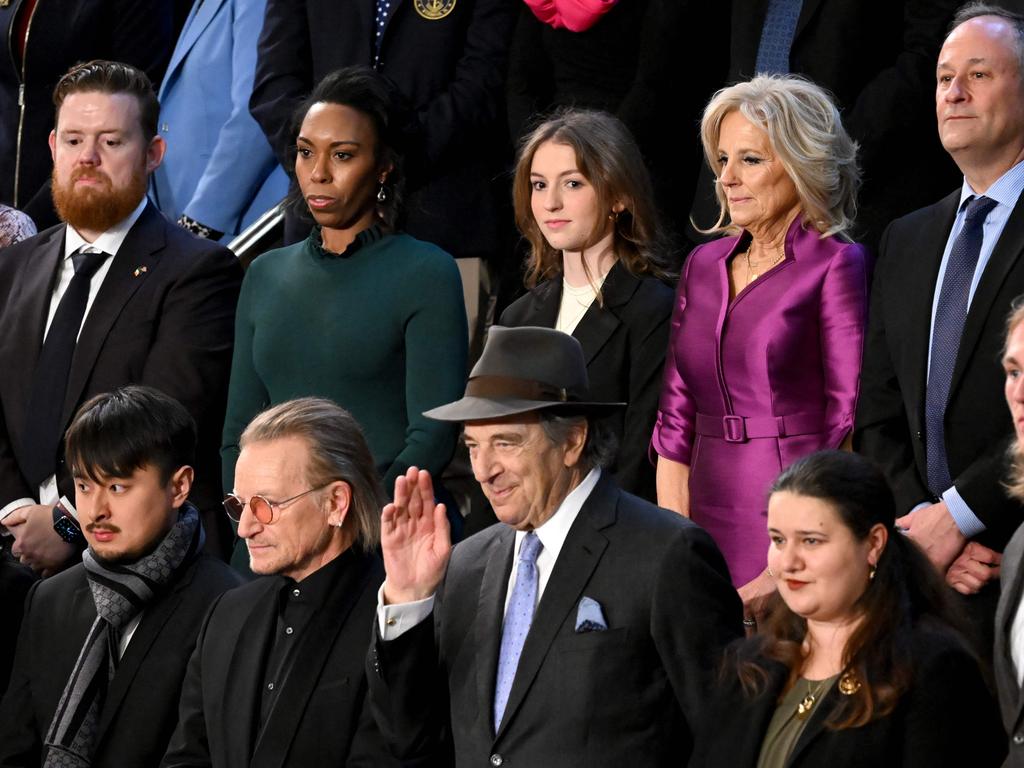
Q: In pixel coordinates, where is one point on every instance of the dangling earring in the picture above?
(614, 216)
(872, 572)
(382, 193)
(770, 573)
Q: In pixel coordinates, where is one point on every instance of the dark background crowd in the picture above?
(735, 286)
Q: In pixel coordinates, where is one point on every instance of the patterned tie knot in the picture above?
(978, 208)
(87, 262)
(530, 548)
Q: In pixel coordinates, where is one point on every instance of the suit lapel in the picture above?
(37, 290)
(1009, 604)
(245, 655)
(545, 300)
(307, 666)
(135, 260)
(580, 555)
(599, 323)
(1003, 259)
(930, 244)
(816, 724)
(199, 19)
(154, 618)
(489, 617)
(807, 10)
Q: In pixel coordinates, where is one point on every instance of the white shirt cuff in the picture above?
(396, 620)
(16, 504)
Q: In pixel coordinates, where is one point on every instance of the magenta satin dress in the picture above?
(754, 384)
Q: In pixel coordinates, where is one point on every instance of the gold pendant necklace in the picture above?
(803, 709)
(752, 276)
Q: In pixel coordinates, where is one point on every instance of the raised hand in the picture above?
(415, 539)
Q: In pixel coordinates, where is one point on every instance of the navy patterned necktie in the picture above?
(50, 380)
(379, 23)
(777, 36)
(518, 619)
(950, 314)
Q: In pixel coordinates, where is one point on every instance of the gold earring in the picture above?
(872, 572)
(770, 573)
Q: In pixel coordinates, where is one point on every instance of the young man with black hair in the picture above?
(104, 645)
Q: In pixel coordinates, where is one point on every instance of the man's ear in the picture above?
(338, 500)
(574, 442)
(52, 141)
(155, 153)
(181, 485)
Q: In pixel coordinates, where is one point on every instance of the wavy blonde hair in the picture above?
(806, 133)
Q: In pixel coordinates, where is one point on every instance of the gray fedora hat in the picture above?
(522, 370)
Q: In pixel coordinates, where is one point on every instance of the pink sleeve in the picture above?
(844, 302)
(673, 426)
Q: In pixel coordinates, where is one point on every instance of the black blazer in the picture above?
(1011, 698)
(63, 33)
(629, 695)
(320, 717)
(141, 706)
(448, 76)
(890, 423)
(163, 317)
(947, 718)
(15, 581)
(624, 343)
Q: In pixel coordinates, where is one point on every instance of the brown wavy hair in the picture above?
(905, 591)
(609, 158)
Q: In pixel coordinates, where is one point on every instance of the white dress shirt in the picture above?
(110, 243)
(395, 620)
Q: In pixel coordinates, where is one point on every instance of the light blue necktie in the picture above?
(777, 37)
(518, 619)
(950, 314)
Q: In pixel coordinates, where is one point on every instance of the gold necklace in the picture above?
(751, 275)
(803, 709)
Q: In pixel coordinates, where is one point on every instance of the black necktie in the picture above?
(50, 380)
(950, 314)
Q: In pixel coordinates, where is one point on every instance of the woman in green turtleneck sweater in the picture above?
(372, 319)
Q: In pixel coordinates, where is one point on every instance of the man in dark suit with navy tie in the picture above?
(584, 629)
(929, 411)
(115, 295)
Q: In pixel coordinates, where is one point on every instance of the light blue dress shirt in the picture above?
(1005, 191)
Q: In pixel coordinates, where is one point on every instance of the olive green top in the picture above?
(785, 728)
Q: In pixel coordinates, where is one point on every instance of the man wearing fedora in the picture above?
(584, 629)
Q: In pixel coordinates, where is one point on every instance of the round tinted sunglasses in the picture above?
(262, 508)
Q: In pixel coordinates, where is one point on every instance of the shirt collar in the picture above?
(370, 235)
(554, 530)
(108, 242)
(1005, 190)
(316, 587)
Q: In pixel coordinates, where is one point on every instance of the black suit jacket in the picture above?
(890, 424)
(141, 706)
(320, 717)
(15, 581)
(947, 719)
(163, 317)
(629, 695)
(878, 59)
(1011, 698)
(624, 343)
(449, 75)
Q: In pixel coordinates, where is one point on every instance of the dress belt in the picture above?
(739, 429)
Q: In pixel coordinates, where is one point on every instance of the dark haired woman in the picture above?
(583, 202)
(856, 664)
(357, 313)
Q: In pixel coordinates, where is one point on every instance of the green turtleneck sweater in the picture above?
(379, 329)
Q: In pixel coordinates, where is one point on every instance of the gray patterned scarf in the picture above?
(120, 592)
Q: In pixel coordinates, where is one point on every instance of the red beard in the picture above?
(97, 209)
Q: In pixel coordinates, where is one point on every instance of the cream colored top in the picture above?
(575, 303)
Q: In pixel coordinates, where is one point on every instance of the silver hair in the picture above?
(806, 132)
(601, 444)
(337, 451)
(1014, 20)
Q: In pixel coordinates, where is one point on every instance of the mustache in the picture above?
(93, 527)
(89, 173)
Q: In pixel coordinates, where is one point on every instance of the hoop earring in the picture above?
(382, 193)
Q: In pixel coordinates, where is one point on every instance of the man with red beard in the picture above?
(115, 295)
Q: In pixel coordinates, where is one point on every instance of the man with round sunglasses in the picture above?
(277, 676)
